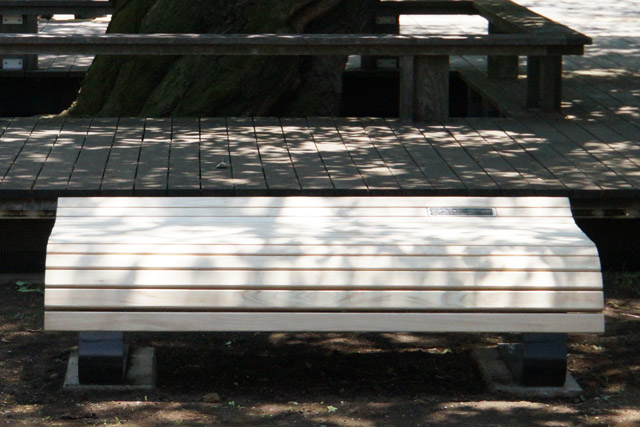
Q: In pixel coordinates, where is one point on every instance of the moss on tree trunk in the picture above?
(158, 86)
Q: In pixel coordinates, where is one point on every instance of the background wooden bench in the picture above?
(424, 65)
(21, 16)
(321, 264)
(544, 72)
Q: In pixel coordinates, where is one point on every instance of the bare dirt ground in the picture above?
(314, 379)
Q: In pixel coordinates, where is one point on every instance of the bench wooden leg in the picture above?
(501, 67)
(544, 82)
(424, 88)
(102, 358)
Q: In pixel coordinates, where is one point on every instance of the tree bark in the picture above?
(157, 86)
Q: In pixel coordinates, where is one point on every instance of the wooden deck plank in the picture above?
(436, 169)
(342, 170)
(455, 155)
(615, 82)
(120, 173)
(615, 140)
(13, 140)
(601, 151)
(395, 156)
(56, 171)
(88, 170)
(62, 64)
(4, 124)
(28, 163)
(184, 158)
(590, 103)
(543, 150)
(487, 158)
(600, 175)
(215, 163)
(153, 165)
(362, 150)
(247, 170)
(277, 163)
(518, 157)
(627, 142)
(307, 161)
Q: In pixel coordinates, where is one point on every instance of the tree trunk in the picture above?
(159, 86)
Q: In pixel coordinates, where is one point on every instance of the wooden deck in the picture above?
(48, 158)
(591, 150)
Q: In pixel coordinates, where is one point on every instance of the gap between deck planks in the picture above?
(46, 158)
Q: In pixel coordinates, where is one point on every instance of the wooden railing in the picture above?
(424, 68)
(544, 72)
(423, 60)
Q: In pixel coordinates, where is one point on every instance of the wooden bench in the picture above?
(412, 264)
(21, 16)
(424, 64)
(544, 72)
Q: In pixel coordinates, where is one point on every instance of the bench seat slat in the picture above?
(315, 262)
(328, 300)
(294, 222)
(331, 322)
(120, 231)
(342, 212)
(367, 279)
(323, 202)
(417, 250)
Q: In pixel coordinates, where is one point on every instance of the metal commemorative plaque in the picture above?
(453, 211)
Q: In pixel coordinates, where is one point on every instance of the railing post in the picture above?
(544, 82)
(431, 87)
(407, 88)
(499, 66)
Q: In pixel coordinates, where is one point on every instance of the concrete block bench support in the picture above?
(345, 264)
(102, 358)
